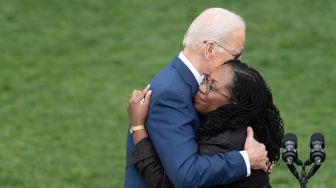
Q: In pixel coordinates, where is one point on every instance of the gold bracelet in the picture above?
(136, 128)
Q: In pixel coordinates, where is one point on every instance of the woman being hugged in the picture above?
(232, 98)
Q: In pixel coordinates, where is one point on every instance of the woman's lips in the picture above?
(199, 98)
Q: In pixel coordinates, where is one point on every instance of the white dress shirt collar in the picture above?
(199, 77)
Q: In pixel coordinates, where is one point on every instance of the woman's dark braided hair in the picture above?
(253, 107)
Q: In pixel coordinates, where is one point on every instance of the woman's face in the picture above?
(219, 90)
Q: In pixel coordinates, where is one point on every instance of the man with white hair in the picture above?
(214, 37)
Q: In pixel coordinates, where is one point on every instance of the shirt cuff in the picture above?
(247, 162)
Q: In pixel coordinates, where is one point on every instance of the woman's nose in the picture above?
(202, 88)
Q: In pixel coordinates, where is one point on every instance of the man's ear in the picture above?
(208, 50)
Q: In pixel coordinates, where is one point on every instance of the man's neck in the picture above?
(198, 76)
(190, 55)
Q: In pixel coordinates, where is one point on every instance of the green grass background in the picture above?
(67, 68)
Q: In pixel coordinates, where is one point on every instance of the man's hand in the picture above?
(256, 152)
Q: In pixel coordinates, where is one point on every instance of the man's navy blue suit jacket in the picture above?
(171, 123)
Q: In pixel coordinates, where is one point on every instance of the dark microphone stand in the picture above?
(317, 157)
(304, 176)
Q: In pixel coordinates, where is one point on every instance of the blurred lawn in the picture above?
(67, 68)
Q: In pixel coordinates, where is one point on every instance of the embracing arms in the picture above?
(171, 129)
(144, 156)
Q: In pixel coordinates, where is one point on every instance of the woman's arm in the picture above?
(144, 156)
(139, 135)
(137, 111)
(148, 164)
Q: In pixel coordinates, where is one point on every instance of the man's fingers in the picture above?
(265, 168)
(250, 132)
(270, 168)
(266, 164)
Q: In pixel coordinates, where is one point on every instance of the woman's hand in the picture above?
(138, 106)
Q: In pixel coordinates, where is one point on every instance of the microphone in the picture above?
(290, 156)
(289, 143)
(317, 153)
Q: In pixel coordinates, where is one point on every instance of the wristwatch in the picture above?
(136, 128)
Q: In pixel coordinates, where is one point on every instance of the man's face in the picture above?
(227, 50)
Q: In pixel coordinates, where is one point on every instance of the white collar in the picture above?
(199, 77)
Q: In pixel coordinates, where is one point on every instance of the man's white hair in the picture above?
(212, 24)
